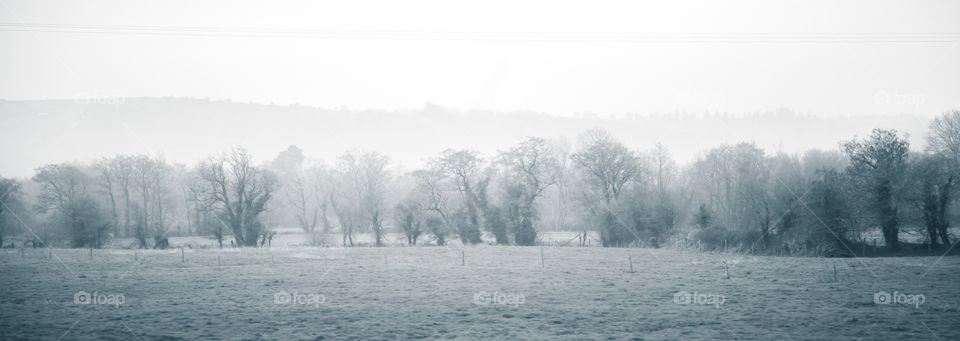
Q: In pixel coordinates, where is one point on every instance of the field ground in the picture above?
(425, 292)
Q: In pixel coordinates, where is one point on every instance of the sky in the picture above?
(824, 58)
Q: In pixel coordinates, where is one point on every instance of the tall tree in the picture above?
(880, 162)
(122, 170)
(107, 181)
(943, 139)
(431, 186)
(464, 166)
(606, 166)
(10, 201)
(530, 169)
(239, 192)
(63, 190)
(144, 175)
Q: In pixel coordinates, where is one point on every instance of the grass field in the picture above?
(498, 292)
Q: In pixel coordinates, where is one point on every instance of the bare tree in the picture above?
(562, 152)
(463, 167)
(944, 141)
(122, 169)
(301, 195)
(322, 187)
(606, 166)
(530, 169)
(880, 161)
(63, 189)
(144, 174)
(107, 180)
(430, 185)
(366, 177)
(411, 219)
(10, 201)
(239, 192)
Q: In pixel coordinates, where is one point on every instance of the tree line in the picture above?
(731, 196)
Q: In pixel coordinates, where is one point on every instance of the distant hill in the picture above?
(186, 130)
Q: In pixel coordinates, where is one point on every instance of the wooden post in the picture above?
(630, 260)
(21, 251)
(463, 258)
(726, 270)
(181, 255)
(384, 259)
(91, 253)
(218, 263)
(835, 277)
(51, 252)
(541, 257)
(134, 254)
(724, 245)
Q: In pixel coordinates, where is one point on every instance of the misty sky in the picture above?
(821, 78)
(897, 59)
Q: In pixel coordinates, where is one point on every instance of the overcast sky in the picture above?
(756, 62)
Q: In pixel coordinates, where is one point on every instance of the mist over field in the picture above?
(489, 170)
(86, 127)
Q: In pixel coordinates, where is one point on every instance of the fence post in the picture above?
(541, 258)
(463, 258)
(630, 260)
(835, 277)
(181, 255)
(91, 253)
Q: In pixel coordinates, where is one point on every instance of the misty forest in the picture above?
(873, 194)
(479, 170)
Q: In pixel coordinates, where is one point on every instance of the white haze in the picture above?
(624, 86)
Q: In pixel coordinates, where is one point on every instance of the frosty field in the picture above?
(498, 292)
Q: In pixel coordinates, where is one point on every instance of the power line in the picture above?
(600, 37)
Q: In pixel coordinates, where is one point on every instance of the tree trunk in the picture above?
(888, 217)
(943, 221)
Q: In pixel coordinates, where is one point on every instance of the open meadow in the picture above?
(478, 292)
